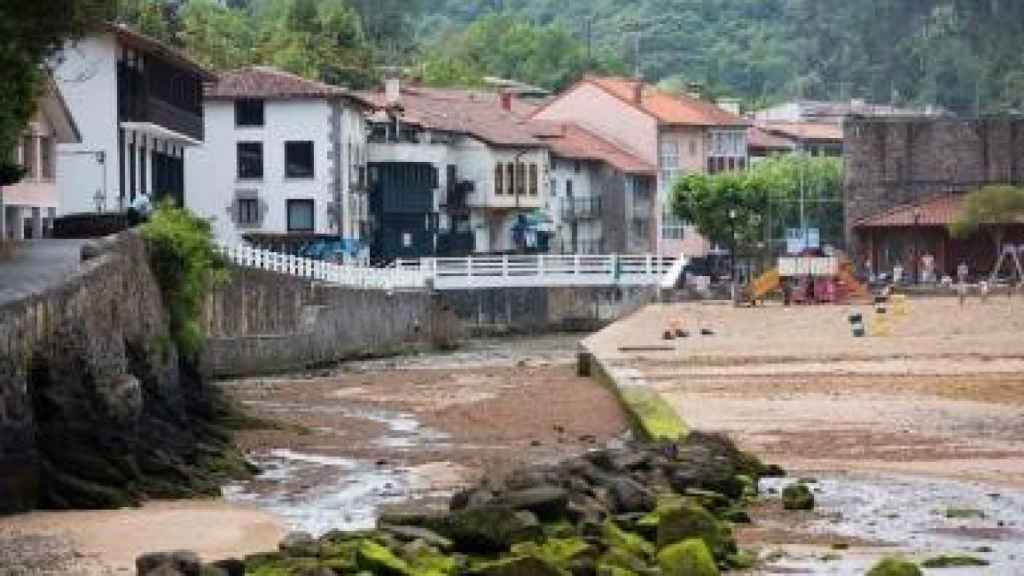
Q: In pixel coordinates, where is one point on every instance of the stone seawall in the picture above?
(96, 410)
(262, 322)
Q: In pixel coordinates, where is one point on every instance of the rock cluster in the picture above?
(636, 509)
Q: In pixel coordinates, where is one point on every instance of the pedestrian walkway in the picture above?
(36, 266)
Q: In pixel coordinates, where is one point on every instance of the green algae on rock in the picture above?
(687, 558)
(797, 497)
(894, 567)
(954, 561)
(687, 521)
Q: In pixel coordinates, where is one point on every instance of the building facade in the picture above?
(138, 106)
(676, 133)
(905, 180)
(285, 161)
(27, 209)
(454, 172)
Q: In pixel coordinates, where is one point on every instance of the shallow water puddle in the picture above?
(919, 517)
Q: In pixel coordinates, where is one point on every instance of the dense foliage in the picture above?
(992, 207)
(30, 33)
(754, 208)
(187, 266)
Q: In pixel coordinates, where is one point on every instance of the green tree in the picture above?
(219, 37)
(724, 208)
(992, 209)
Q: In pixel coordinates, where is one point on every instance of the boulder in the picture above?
(628, 495)
(299, 545)
(380, 561)
(413, 533)
(517, 566)
(894, 567)
(489, 530)
(797, 497)
(685, 521)
(687, 558)
(231, 566)
(183, 562)
(546, 501)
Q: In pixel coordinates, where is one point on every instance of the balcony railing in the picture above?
(585, 208)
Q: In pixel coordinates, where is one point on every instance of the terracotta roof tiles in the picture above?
(271, 83)
(571, 141)
(936, 211)
(667, 108)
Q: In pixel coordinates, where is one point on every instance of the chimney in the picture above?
(638, 92)
(731, 105)
(392, 90)
(506, 101)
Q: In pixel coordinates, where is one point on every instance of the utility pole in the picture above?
(636, 53)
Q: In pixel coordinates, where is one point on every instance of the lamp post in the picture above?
(917, 246)
(732, 253)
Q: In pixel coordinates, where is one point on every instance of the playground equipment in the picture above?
(813, 279)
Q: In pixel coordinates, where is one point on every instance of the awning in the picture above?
(157, 131)
(937, 211)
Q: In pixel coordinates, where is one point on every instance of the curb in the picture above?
(651, 416)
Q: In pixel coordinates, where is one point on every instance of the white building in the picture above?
(455, 172)
(27, 209)
(285, 160)
(138, 106)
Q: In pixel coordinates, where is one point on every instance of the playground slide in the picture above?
(671, 278)
(765, 284)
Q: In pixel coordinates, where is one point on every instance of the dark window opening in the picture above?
(249, 113)
(250, 160)
(131, 171)
(298, 159)
(247, 211)
(300, 215)
(533, 180)
(499, 173)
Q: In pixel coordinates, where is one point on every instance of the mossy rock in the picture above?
(623, 559)
(686, 521)
(607, 570)
(559, 552)
(964, 513)
(954, 561)
(560, 529)
(894, 567)
(742, 560)
(425, 559)
(797, 497)
(282, 567)
(634, 544)
(749, 486)
(516, 566)
(381, 561)
(687, 558)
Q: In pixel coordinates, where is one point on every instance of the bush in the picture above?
(187, 265)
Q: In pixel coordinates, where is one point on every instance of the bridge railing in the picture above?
(540, 270)
(341, 274)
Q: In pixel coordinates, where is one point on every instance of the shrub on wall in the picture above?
(187, 265)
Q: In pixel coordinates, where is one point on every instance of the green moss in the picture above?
(655, 417)
(615, 537)
(425, 560)
(686, 521)
(516, 566)
(748, 484)
(797, 497)
(953, 561)
(559, 552)
(381, 561)
(560, 529)
(687, 558)
(607, 570)
(282, 567)
(964, 513)
(742, 560)
(621, 558)
(894, 567)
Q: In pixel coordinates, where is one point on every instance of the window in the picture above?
(499, 176)
(510, 180)
(298, 159)
(668, 155)
(521, 179)
(300, 215)
(577, 167)
(248, 113)
(250, 160)
(533, 180)
(693, 147)
(247, 212)
(46, 151)
(28, 155)
(568, 188)
(672, 228)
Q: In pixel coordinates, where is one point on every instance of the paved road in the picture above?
(37, 265)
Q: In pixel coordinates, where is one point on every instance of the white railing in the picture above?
(342, 274)
(539, 271)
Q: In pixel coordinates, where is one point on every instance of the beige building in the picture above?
(27, 209)
(677, 133)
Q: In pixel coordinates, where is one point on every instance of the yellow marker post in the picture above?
(900, 305)
(880, 325)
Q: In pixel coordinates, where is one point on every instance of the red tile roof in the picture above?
(472, 112)
(571, 141)
(937, 211)
(272, 84)
(759, 139)
(140, 41)
(817, 131)
(667, 108)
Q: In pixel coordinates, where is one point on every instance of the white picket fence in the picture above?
(341, 274)
(540, 270)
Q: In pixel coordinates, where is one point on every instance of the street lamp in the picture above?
(732, 252)
(917, 246)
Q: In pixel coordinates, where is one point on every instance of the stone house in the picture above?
(139, 105)
(676, 133)
(905, 180)
(285, 160)
(28, 208)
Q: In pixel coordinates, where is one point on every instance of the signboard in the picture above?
(798, 240)
(808, 266)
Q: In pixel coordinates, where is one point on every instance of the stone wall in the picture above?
(96, 410)
(262, 322)
(894, 161)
